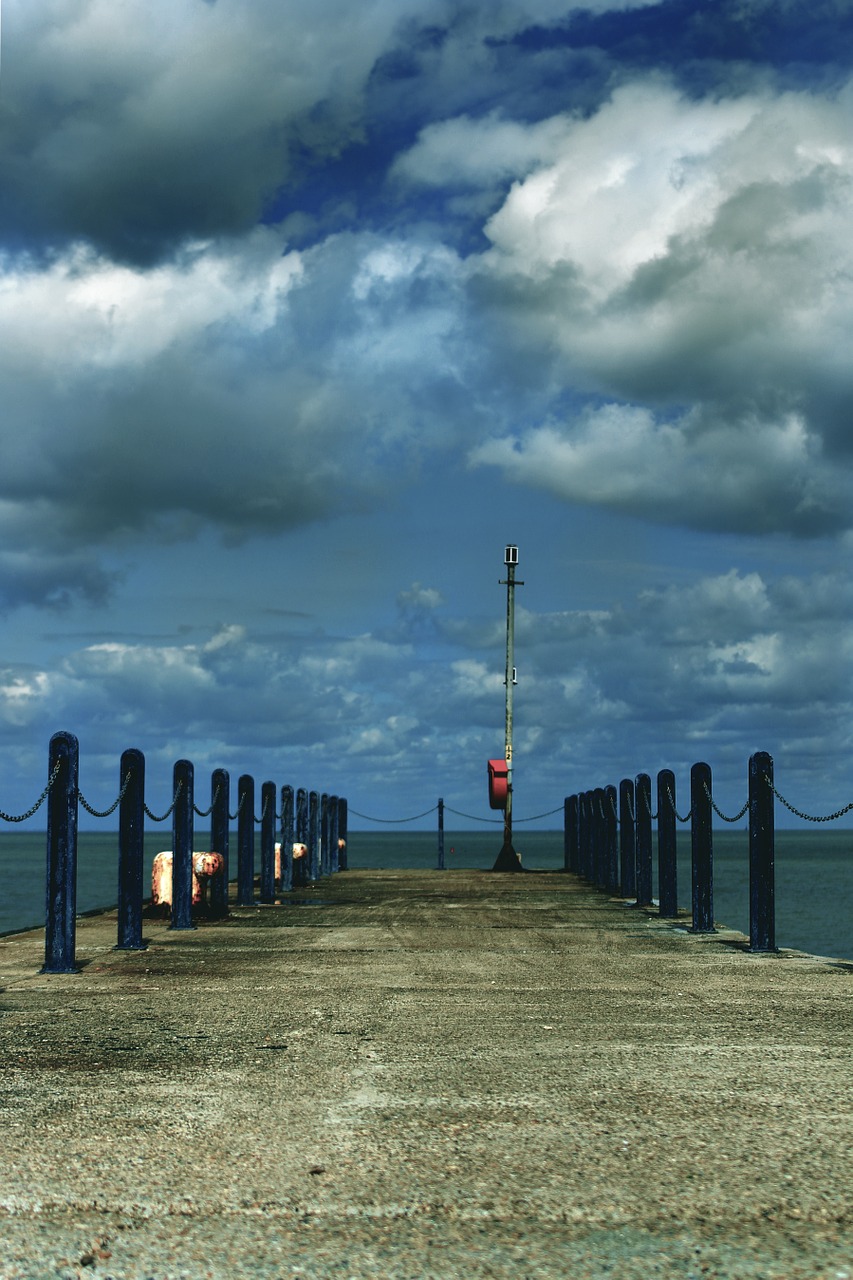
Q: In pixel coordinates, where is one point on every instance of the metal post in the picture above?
(762, 878)
(702, 848)
(60, 936)
(583, 834)
(333, 834)
(627, 840)
(600, 838)
(286, 839)
(182, 847)
(245, 840)
(440, 866)
(611, 841)
(508, 859)
(313, 836)
(300, 866)
(131, 836)
(325, 861)
(570, 834)
(267, 885)
(667, 865)
(342, 835)
(220, 799)
(643, 824)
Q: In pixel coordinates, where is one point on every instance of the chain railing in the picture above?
(326, 837)
(613, 848)
(171, 809)
(33, 810)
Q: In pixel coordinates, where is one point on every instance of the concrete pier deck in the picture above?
(437, 1074)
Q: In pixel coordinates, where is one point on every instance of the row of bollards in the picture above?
(315, 823)
(612, 846)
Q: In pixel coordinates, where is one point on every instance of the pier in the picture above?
(421, 1074)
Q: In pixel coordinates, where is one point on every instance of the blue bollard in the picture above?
(611, 840)
(667, 864)
(333, 834)
(342, 835)
(245, 840)
(643, 832)
(325, 860)
(762, 876)
(627, 839)
(702, 848)
(182, 847)
(220, 790)
(313, 857)
(131, 851)
(60, 938)
(301, 867)
(268, 822)
(286, 839)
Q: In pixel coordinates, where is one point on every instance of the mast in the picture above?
(508, 859)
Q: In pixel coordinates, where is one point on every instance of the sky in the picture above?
(307, 311)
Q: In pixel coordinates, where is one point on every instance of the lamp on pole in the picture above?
(508, 859)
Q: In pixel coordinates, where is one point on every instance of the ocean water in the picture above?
(814, 874)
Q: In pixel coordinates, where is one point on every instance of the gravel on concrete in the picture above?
(426, 1074)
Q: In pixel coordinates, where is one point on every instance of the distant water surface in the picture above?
(814, 874)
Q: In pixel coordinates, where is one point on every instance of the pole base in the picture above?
(507, 859)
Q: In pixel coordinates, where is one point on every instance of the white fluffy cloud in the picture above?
(730, 664)
(690, 258)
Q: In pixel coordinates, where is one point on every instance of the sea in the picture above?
(814, 874)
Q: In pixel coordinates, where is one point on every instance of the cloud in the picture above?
(716, 668)
(134, 133)
(241, 386)
(749, 476)
(687, 261)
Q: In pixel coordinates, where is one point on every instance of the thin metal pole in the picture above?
(508, 859)
(440, 866)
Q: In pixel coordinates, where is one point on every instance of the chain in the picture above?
(719, 812)
(171, 807)
(394, 822)
(537, 816)
(233, 816)
(648, 807)
(674, 810)
(208, 812)
(106, 813)
(807, 817)
(22, 817)
(265, 810)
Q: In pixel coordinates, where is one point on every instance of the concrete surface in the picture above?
(410, 1074)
